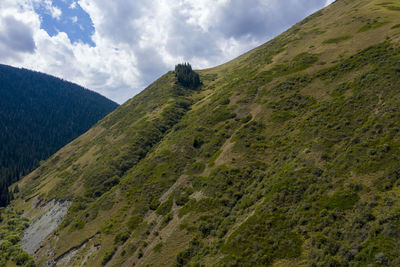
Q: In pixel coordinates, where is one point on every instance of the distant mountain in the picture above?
(39, 114)
(288, 155)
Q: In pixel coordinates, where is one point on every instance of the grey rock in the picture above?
(44, 226)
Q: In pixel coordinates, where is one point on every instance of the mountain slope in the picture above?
(39, 114)
(286, 156)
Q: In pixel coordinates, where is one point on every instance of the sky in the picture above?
(119, 47)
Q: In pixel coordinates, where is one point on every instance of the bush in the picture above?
(167, 218)
(14, 239)
(22, 258)
(157, 248)
(165, 207)
(341, 200)
(78, 225)
(5, 245)
(337, 39)
(140, 253)
(182, 199)
(121, 238)
(154, 204)
(134, 222)
(196, 168)
(108, 256)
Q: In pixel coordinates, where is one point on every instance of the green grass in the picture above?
(393, 8)
(389, 6)
(373, 25)
(337, 40)
(341, 200)
(300, 62)
(165, 207)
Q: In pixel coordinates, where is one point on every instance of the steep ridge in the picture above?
(286, 156)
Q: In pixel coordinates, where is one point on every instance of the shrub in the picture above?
(182, 199)
(134, 222)
(79, 224)
(14, 239)
(140, 253)
(341, 200)
(154, 204)
(108, 256)
(196, 168)
(157, 248)
(165, 207)
(167, 218)
(337, 39)
(121, 238)
(22, 258)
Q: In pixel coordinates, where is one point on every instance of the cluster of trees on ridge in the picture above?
(186, 76)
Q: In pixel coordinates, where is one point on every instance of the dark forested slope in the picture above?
(38, 115)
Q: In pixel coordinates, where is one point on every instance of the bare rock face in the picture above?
(45, 225)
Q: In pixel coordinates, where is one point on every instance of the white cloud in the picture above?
(55, 12)
(137, 41)
(74, 19)
(16, 33)
(73, 5)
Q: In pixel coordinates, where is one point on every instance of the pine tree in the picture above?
(4, 194)
(186, 76)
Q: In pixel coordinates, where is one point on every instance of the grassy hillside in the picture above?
(285, 156)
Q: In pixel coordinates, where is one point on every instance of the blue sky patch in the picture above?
(66, 16)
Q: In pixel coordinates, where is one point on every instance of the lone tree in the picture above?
(5, 195)
(186, 76)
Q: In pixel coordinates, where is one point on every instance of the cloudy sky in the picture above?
(118, 47)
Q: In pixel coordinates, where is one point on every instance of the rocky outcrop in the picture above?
(45, 225)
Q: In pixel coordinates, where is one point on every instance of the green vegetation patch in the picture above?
(165, 207)
(384, 3)
(12, 226)
(393, 8)
(337, 40)
(282, 116)
(300, 62)
(157, 248)
(290, 107)
(134, 222)
(211, 161)
(196, 168)
(291, 85)
(373, 25)
(389, 6)
(203, 205)
(261, 240)
(251, 136)
(108, 256)
(341, 200)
